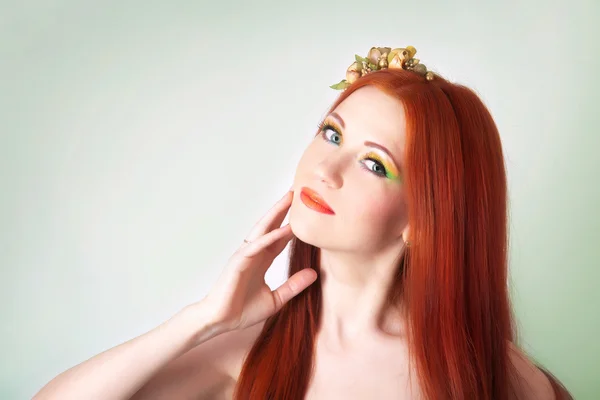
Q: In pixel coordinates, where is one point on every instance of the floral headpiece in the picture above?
(382, 58)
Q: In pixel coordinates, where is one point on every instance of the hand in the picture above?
(241, 298)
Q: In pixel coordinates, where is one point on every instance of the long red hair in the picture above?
(452, 280)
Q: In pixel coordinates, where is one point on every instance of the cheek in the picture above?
(380, 210)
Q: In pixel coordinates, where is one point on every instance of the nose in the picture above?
(329, 172)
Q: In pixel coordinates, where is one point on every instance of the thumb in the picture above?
(294, 285)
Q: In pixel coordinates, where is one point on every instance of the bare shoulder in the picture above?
(208, 371)
(534, 384)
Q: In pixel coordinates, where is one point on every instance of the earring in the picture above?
(406, 242)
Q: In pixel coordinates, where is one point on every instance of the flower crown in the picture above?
(382, 58)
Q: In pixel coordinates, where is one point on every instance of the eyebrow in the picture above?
(340, 120)
(368, 143)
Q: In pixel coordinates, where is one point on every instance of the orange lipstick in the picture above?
(314, 201)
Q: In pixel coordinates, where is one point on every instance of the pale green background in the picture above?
(141, 140)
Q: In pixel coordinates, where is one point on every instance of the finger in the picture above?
(274, 250)
(294, 285)
(277, 247)
(272, 219)
(258, 245)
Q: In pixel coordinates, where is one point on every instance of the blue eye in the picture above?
(379, 168)
(330, 134)
(370, 163)
(333, 137)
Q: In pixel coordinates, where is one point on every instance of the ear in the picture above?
(405, 234)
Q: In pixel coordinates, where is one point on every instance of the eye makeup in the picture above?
(390, 170)
(329, 123)
(387, 168)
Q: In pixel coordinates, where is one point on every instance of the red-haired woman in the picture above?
(397, 265)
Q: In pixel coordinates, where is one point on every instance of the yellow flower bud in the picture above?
(402, 52)
(374, 55)
(396, 62)
(356, 66)
(352, 76)
(411, 51)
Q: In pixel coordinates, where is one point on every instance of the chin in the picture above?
(313, 232)
(307, 229)
(302, 229)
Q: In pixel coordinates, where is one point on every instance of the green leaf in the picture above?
(360, 59)
(343, 84)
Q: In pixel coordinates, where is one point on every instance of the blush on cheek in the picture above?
(367, 210)
(384, 212)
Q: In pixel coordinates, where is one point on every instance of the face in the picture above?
(354, 164)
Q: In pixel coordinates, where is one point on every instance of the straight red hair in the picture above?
(452, 280)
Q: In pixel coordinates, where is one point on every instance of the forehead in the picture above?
(371, 114)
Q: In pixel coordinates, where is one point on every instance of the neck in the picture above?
(354, 296)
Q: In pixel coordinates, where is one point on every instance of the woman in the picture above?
(398, 268)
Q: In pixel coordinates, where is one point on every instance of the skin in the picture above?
(359, 245)
(361, 351)
(359, 342)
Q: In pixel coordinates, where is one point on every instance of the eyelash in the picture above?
(323, 127)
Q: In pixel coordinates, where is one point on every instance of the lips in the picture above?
(313, 200)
